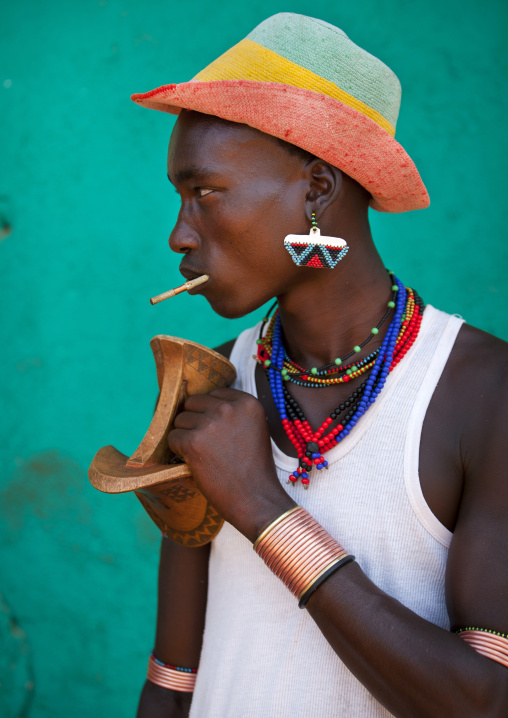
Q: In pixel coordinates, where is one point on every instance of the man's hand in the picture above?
(223, 437)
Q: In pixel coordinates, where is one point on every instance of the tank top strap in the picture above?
(434, 354)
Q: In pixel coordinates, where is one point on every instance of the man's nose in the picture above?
(183, 238)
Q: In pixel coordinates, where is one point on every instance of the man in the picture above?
(402, 460)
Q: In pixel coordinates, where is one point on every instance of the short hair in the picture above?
(287, 146)
(294, 150)
(306, 156)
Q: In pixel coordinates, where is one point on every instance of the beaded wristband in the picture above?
(300, 552)
(490, 644)
(173, 677)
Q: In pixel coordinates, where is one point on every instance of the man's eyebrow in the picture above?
(193, 173)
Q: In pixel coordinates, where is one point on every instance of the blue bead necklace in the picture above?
(311, 445)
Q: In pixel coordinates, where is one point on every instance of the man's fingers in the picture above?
(205, 402)
(201, 403)
(225, 393)
(176, 440)
(188, 420)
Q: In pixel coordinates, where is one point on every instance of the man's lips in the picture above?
(193, 274)
(190, 273)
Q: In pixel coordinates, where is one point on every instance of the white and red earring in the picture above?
(313, 250)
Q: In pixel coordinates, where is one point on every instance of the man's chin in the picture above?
(228, 311)
(228, 308)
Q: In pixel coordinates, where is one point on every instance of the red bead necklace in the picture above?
(311, 445)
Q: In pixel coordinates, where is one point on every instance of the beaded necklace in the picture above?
(312, 445)
(337, 372)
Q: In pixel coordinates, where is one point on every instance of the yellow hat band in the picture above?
(248, 60)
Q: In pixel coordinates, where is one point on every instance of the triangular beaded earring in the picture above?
(313, 250)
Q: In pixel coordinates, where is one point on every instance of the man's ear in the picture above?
(325, 182)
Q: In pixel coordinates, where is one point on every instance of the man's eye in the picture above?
(203, 191)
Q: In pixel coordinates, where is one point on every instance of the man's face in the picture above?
(241, 193)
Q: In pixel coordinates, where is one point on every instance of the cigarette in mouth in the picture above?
(182, 288)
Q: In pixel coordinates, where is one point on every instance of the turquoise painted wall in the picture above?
(83, 187)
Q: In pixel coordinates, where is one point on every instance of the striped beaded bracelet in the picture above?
(173, 677)
(300, 552)
(490, 644)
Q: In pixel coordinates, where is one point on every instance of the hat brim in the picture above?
(319, 124)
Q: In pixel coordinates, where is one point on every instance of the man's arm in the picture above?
(183, 583)
(411, 666)
(182, 594)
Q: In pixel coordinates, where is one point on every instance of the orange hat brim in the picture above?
(320, 124)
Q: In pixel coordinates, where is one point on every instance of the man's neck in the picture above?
(331, 312)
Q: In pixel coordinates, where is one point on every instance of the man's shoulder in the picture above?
(468, 412)
(226, 348)
(480, 355)
(475, 381)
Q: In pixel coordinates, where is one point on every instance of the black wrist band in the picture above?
(308, 593)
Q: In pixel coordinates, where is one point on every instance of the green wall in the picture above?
(83, 186)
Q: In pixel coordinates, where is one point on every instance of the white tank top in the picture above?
(262, 656)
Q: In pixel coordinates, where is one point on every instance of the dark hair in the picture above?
(287, 146)
(308, 157)
(295, 151)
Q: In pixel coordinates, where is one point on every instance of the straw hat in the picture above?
(304, 81)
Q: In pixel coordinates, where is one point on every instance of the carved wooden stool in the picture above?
(161, 481)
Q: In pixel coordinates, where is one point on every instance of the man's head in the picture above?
(242, 192)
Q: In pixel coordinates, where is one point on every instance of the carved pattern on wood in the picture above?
(199, 536)
(177, 493)
(213, 368)
(203, 533)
